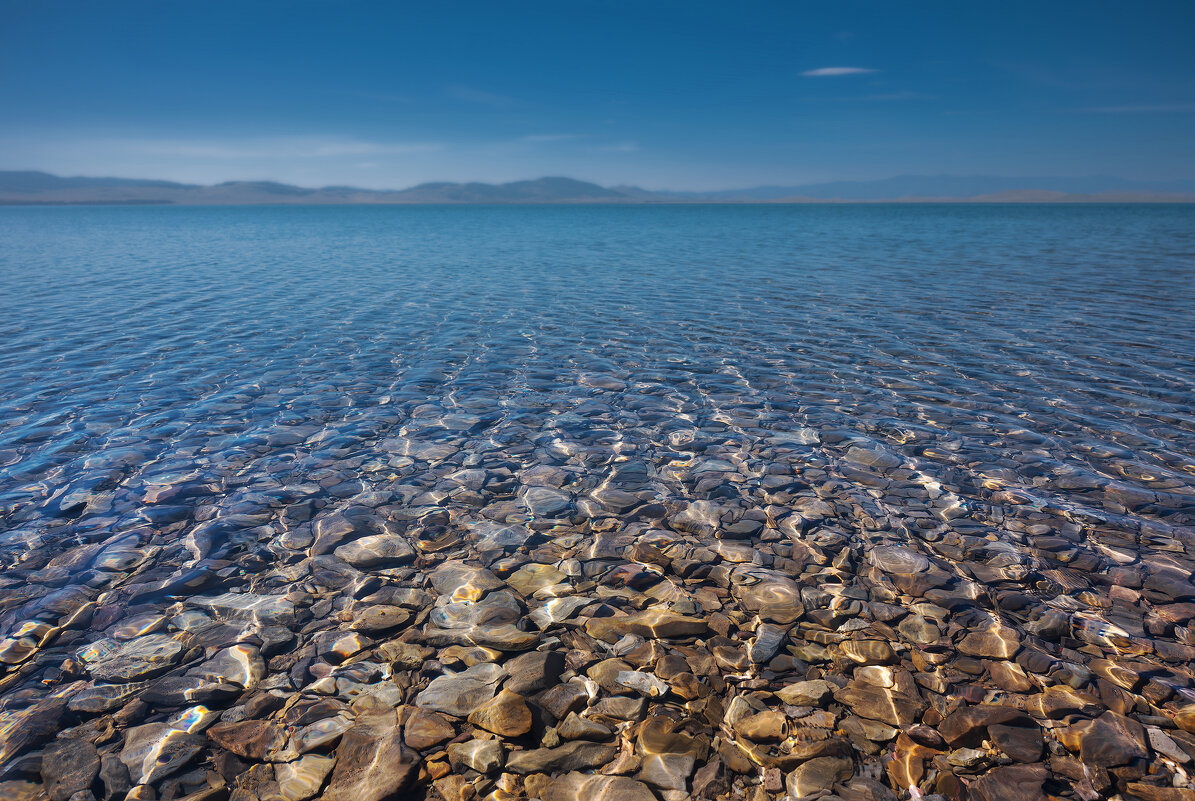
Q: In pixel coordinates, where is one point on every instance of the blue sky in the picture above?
(683, 95)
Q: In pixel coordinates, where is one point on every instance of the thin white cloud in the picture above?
(274, 148)
(829, 72)
(1141, 109)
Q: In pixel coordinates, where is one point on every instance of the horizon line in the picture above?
(614, 186)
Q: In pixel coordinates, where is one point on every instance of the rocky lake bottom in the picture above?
(354, 504)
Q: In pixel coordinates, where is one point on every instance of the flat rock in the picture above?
(806, 693)
(817, 775)
(576, 755)
(968, 726)
(506, 715)
(534, 671)
(155, 750)
(462, 582)
(667, 771)
(372, 764)
(483, 756)
(1111, 740)
(425, 729)
(302, 779)
(264, 610)
(889, 706)
(458, 694)
(654, 624)
(251, 739)
(376, 550)
(994, 642)
(1013, 783)
(584, 787)
(69, 767)
(121, 662)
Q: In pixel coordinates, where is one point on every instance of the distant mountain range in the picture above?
(31, 187)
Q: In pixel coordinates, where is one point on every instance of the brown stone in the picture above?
(1022, 743)
(372, 763)
(966, 727)
(583, 787)
(651, 623)
(425, 729)
(994, 642)
(506, 715)
(1111, 740)
(889, 706)
(251, 739)
(764, 727)
(818, 774)
(1013, 783)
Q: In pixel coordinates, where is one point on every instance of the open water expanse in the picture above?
(601, 502)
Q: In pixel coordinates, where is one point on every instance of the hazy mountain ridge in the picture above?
(32, 187)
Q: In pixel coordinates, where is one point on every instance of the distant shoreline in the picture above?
(31, 187)
(1096, 201)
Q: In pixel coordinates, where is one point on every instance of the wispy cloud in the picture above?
(1140, 109)
(275, 148)
(830, 72)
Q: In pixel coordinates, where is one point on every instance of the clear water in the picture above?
(137, 344)
(1028, 368)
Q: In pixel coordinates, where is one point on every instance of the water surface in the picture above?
(996, 396)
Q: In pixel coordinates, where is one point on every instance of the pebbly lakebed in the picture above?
(635, 502)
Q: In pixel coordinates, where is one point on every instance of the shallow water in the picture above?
(1016, 373)
(142, 345)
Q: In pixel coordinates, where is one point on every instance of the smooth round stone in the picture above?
(575, 727)
(132, 628)
(483, 756)
(379, 618)
(458, 694)
(818, 774)
(546, 502)
(241, 665)
(530, 578)
(320, 734)
(868, 652)
(463, 582)
(995, 642)
(156, 750)
(302, 779)
(763, 727)
(375, 551)
(919, 630)
(898, 560)
(136, 659)
(495, 609)
(426, 729)
(506, 715)
(772, 596)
